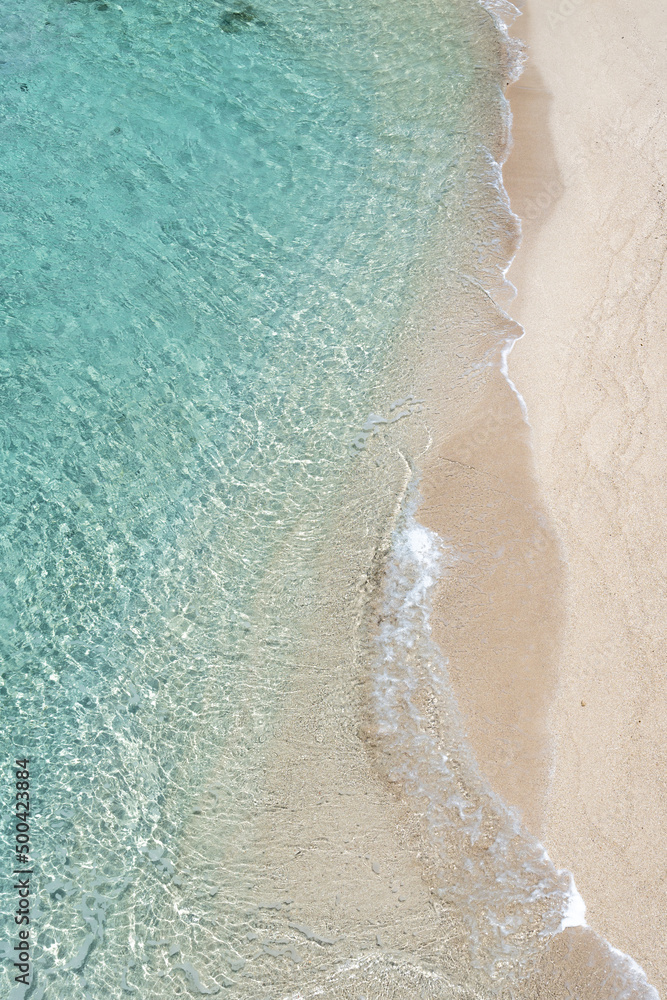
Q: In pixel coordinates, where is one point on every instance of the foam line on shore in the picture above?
(409, 664)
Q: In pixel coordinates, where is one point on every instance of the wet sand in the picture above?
(497, 616)
(561, 676)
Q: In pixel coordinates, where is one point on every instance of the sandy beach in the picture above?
(552, 620)
(551, 617)
(576, 737)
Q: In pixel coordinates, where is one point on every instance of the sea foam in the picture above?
(502, 879)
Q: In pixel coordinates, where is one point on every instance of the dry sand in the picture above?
(587, 178)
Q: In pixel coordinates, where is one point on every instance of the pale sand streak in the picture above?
(592, 368)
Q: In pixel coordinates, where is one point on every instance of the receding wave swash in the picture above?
(490, 868)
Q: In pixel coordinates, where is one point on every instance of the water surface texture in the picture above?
(215, 218)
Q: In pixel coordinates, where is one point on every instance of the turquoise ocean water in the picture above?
(215, 218)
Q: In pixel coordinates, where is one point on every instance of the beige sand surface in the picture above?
(587, 177)
(497, 616)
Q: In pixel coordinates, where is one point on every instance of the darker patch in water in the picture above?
(239, 17)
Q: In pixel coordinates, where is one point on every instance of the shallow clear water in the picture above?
(215, 218)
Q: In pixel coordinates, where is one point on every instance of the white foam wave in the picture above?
(575, 908)
(504, 14)
(499, 876)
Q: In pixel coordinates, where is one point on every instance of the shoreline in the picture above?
(498, 619)
(590, 297)
(576, 627)
(339, 855)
